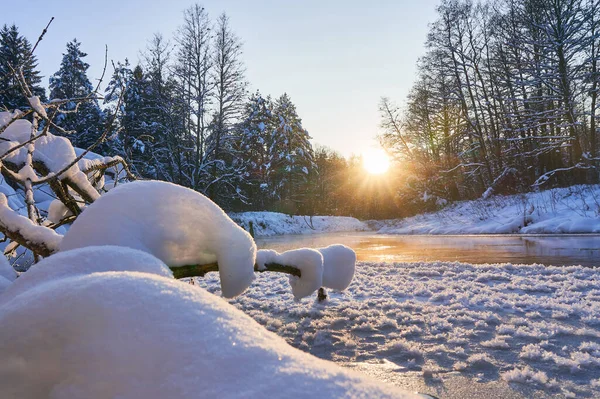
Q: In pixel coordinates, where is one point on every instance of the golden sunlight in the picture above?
(376, 162)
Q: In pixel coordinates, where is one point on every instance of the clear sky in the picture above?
(335, 58)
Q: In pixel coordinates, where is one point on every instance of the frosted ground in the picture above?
(536, 329)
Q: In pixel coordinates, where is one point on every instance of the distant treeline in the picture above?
(506, 100)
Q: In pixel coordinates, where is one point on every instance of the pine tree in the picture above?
(291, 155)
(254, 135)
(15, 52)
(71, 82)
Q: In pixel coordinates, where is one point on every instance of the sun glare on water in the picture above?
(376, 162)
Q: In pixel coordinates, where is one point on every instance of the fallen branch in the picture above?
(201, 270)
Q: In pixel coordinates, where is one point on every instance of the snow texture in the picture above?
(529, 324)
(18, 223)
(339, 262)
(272, 223)
(569, 210)
(137, 333)
(177, 225)
(7, 274)
(36, 105)
(331, 267)
(308, 261)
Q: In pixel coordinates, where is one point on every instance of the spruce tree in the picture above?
(291, 154)
(255, 134)
(71, 82)
(15, 52)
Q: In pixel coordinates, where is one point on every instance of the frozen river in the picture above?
(558, 250)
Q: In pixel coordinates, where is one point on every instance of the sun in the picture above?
(376, 162)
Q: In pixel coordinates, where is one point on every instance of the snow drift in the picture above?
(83, 324)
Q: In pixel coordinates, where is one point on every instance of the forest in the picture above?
(505, 101)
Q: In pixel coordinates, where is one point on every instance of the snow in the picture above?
(570, 210)
(7, 273)
(36, 105)
(339, 263)
(273, 223)
(531, 325)
(135, 332)
(331, 267)
(308, 261)
(15, 222)
(177, 225)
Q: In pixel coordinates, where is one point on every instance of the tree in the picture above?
(291, 155)
(254, 135)
(71, 82)
(15, 52)
(195, 91)
(230, 91)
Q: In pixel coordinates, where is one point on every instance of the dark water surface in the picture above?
(557, 250)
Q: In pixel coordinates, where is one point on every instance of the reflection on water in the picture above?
(549, 250)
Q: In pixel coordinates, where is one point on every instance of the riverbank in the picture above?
(532, 329)
(569, 210)
(266, 224)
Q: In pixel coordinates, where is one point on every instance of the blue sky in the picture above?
(334, 58)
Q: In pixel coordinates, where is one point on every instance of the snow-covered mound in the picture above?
(97, 329)
(272, 223)
(572, 210)
(177, 225)
(535, 325)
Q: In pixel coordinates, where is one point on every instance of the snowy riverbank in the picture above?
(535, 326)
(272, 223)
(569, 210)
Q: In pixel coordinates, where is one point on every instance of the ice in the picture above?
(444, 316)
(92, 330)
(339, 262)
(177, 225)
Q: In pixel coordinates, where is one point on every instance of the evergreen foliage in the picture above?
(71, 82)
(15, 52)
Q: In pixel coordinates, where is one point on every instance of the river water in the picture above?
(557, 250)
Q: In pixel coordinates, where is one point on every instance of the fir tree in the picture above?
(15, 52)
(71, 82)
(255, 134)
(291, 155)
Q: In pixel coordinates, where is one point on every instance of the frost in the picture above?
(527, 375)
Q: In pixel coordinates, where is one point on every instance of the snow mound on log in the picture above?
(177, 225)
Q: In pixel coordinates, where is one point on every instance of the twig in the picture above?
(41, 37)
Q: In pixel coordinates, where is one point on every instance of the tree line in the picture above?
(183, 115)
(506, 100)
